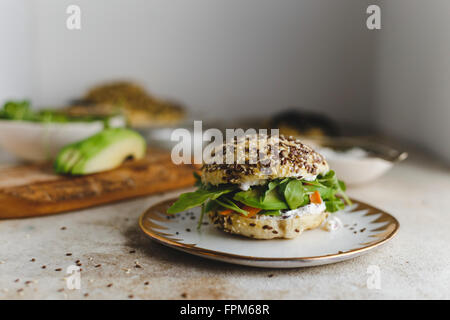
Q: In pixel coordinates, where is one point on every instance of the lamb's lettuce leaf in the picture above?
(280, 194)
(197, 198)
(330, 180)
(229, 204)
(257, 198)
(270, 212)
(294, 194)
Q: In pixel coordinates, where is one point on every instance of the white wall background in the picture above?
(221, 58)
(16, 45)
(241, 57)
(413, 73)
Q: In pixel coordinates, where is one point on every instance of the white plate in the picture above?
(364, 228)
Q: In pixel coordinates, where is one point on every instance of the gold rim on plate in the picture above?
(154, 213)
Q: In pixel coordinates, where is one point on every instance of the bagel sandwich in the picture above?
(286, 189)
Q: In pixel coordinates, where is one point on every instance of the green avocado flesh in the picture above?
(101, 152)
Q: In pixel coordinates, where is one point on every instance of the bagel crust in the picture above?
(282, 158)
(266, 227)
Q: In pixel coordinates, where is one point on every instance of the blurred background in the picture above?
(236, 59)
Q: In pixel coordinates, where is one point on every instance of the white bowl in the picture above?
(38, 141)
(359, 171)
(357, 160)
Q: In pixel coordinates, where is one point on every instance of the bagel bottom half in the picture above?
(266, 227)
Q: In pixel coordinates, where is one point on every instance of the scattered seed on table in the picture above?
(130, 296)
(86, 294)
(270, 275)
(58, 269)
(184, 295)
(98, 266)
(109, 285)
(32, 260)
(68, 254)
(132, 251)
(17, 280)
(20, 290)
(43, 267)
(63, 228)
(146, 283)
(188, 230)
(61, 290)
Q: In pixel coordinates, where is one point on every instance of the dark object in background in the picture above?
(304, 123)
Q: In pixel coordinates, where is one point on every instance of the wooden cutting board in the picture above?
(34, 190)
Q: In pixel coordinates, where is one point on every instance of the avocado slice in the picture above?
(66, 159)
(101, 152)
(62, 156)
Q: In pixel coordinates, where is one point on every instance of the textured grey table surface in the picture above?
(119, 262)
